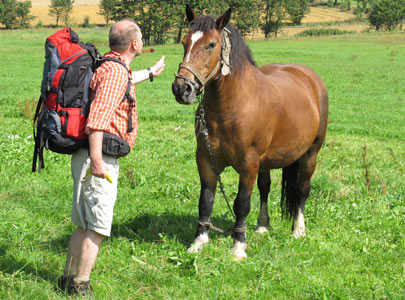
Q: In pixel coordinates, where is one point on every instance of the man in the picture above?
(111, 112)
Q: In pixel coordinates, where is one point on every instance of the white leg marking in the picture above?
(198, 243)
(194, 38)
(261, 229)
(263, 219)
(238, 251)
(299, 224)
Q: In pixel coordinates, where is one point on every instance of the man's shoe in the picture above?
(64, 282)
(80, 288)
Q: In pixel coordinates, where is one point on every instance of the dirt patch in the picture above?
(46, 3)
(79, 13)
(321, 14)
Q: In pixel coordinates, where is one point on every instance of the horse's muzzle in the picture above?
(184, 90)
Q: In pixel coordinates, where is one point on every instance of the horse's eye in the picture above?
(211, 45)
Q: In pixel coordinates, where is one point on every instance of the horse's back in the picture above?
(294, 77)
(302, 75)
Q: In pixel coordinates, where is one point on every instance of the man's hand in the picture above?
(142, 75)
(158, 67)
(98, 168)
(97, 165)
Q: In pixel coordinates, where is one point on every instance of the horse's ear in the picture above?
(191, 16)
(223, 20)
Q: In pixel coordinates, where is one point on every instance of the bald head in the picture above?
(122, 34)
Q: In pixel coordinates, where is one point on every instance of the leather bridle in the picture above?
(200, 78)
(223, 64)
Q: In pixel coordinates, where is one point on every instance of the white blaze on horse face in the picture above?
(194, 38)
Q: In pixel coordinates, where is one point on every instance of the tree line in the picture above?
(163, 20)
(160, 19)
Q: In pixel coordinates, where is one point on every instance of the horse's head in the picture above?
(206, 55)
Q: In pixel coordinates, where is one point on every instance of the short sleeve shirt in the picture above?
(108, 111)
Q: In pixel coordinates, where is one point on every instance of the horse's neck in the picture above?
(225, 93)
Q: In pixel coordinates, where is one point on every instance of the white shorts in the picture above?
(93, 197)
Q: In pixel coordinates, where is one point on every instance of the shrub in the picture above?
(387, 14)
(86, 22)
(319, 32)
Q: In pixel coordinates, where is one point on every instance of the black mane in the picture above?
(240, 52)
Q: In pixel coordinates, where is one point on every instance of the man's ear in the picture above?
(223, 20)
(191, 16)
(134, 44)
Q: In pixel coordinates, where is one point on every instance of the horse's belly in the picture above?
(281, 157)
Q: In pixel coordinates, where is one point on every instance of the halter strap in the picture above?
(223, 63)
(198, 75)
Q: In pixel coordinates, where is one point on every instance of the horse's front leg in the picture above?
(242, 208)
(208, 185)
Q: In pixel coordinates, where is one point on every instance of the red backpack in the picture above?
(64, 104)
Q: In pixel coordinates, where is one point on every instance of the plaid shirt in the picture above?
(108, 112)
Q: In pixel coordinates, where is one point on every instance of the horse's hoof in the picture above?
(198, 243)
(238, 251)
(261, 229)
(298, 232)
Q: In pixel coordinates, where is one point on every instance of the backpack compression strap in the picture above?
(38, 138)
(131, 99)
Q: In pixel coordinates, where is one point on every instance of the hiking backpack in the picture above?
(64, 104)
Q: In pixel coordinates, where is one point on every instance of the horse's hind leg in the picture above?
(307, 164)
(208, 185)
(263, 183)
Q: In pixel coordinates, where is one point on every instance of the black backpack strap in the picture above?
(132, 102)
(38, 138)
(127, 95)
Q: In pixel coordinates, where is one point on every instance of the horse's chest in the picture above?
(226, 142)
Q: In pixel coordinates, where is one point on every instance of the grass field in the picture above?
(355, 241)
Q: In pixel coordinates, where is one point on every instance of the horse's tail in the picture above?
(289, 190)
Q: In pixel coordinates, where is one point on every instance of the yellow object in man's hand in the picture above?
(107, 176)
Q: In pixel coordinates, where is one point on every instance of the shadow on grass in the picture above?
(150, 227)
(14, 262)
(13, 265)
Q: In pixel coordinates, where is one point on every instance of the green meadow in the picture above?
(355, 215)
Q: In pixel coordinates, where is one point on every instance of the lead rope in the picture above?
(204, 130)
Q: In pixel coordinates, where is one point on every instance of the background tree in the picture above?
(347, 5)
(245, 14)
(273, 14)
(56, 10)
(23, 16)
(363, 7)
(387, 14)
(68, 8)
(154, 17)
(297, 9)
(8, 16)
(61, 9)
(106, 8)
(200, 7)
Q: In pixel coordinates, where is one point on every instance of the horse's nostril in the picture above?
(189, 88)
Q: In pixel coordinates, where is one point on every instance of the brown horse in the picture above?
(257, 119)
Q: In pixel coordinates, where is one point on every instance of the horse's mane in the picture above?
(240, 52)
